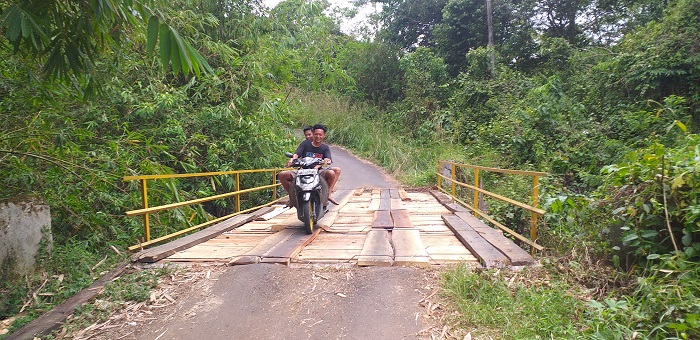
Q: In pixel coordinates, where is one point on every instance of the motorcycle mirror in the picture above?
(288, 154)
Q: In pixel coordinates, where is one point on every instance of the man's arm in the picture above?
(297, 154)
(327, 154)
(300, 150)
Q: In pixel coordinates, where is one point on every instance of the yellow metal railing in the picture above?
(532, 208)
(146, 210)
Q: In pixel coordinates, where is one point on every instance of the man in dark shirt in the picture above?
(308, 133)
(313, 148)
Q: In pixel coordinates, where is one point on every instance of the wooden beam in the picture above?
(382, 219)
(403, 195)
(53, 319)
(263, 247)
(408, 248)
(377, 250)
(385, 200)
(516, 255)
(401, 218)
(292, 245)
(487, 254)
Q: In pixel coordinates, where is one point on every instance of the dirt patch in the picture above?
(272, 301)
(162, 305)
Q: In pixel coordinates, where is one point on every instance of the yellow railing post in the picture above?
(453, 176)
(238, 196)
(476, 193)
(274, 181)
(439, 171)
(535, 202)
(144, 199)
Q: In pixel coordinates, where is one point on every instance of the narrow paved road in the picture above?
(265, 301)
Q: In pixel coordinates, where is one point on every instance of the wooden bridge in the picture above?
(369, 227)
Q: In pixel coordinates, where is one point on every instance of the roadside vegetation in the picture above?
(608, 106)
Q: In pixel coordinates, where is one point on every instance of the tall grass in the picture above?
(353, 125)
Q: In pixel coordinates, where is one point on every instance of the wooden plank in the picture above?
(489, 256)
(276, 260)
(396, 203)
(377, 250)
(408, 248)
(210, 252)
(337, 241)
(290, 221)
(401, 219)
(165, 250)
(330, 255)
(374, 204)
(468, 259)
(359, 192)
(244, 259)
(385, 200)
(403, 195)
(53, 319)
(447, 202)
(354, 219)
(443, 241)
(263, 247)
(382, 219)
(292, 245)
(431, 218)
(517, 256)
(348, 228)
(278, 209)
(394, 193)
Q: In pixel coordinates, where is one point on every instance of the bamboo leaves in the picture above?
(70, 35)
(175, 52)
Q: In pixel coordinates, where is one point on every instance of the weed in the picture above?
(503, 304)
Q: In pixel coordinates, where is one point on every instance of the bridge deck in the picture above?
(370, 227)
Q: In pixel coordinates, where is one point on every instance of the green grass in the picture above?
(512, 304)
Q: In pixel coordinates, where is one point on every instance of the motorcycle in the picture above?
(309, 191)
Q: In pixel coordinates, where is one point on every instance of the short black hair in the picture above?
(307, 128)
(320, 126)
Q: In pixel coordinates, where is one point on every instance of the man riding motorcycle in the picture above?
(313, 148)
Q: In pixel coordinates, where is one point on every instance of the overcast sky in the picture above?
(346, 27)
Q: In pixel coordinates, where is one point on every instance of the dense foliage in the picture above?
(603, 95)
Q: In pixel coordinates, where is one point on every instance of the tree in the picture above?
(409, 23)
(658, 60)
(311, 40)
(464, 27)
(68, 35)
(375, 68)
(558, 19)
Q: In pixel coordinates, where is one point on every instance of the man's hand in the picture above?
(289, 163)
(327, 161)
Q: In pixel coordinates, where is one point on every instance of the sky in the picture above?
(346, 27)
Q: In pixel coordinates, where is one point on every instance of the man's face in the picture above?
(308, 134)
(319, 135)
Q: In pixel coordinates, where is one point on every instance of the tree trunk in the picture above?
(489, 22)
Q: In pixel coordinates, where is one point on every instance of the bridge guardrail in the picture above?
(532, 208)
(146, 210)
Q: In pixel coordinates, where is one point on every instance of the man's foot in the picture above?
(330, 199)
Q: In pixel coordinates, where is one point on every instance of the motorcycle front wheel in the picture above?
(309, 223)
